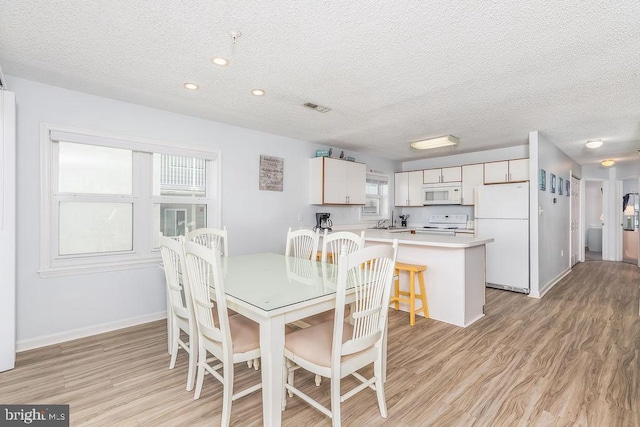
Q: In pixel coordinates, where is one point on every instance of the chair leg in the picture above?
(202, 359)
(193, 365)
(335, 400)
(290, 375)
(318, 380)
(227, 394)
(256, 363)
(412, 298)
(175, 335)
(250, 363)
(377, 371)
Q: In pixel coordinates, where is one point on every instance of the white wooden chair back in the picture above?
(370, 272)
(302, 244)
(340, 242)
(205, 273)
(303, 271)
(212, 238)
(178, 291)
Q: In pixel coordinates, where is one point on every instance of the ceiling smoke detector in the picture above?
(316, 107)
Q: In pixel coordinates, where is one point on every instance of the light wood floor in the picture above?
(572, 358)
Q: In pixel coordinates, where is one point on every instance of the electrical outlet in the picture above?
(562, 253)
(299, 217)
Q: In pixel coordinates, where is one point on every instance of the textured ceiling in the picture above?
(487, 72)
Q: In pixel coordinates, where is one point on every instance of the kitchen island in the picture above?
(456, 271)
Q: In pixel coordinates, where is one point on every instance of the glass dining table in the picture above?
(274, 290)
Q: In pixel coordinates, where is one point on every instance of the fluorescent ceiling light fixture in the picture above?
(441, 141)
(594, 143)
(219, 60)
(190, 86)
(607, 163)
(257, 92)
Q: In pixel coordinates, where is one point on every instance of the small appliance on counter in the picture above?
(403, 220)
(322, 221)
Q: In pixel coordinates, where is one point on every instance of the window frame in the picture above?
(143, 254)
(364, 217)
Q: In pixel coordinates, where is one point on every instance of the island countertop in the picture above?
(405, 237)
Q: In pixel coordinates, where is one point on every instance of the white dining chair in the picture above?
(340, 242)
(212, 238)
(180, 305)
(336, 348)
(229, 339)
(302, 243)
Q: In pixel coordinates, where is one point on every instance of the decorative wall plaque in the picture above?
(271, 173)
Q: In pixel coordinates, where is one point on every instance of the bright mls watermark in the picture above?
(36, 415)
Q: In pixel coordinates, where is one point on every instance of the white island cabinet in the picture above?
(455, 278)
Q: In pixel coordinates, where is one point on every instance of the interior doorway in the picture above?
(593, 219)
(630, 229)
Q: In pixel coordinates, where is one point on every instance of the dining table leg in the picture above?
(272, 355)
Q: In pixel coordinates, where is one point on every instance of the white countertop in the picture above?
(405, 237)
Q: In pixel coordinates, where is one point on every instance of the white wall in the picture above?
(553, 231)
(56, 309)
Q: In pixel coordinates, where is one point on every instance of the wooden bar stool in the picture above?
(396, 299)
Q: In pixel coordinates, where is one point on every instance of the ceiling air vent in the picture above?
(316, 107)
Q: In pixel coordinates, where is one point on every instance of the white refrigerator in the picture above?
(7, 230)
(502, 212)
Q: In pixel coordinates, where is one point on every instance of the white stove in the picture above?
(444, 224)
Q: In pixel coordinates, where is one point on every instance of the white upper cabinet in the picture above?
(506, 171)
(435, 176)
(408, 188)
(337, 182)
(472, 176)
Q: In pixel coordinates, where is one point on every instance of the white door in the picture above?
(575, 221)
(356, 183)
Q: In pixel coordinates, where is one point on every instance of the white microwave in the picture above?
(442, 194)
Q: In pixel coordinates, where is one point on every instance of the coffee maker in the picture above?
(322, 221)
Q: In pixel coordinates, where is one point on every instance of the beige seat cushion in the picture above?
(245, 334)
(314, 343)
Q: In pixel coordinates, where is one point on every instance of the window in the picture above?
(377, 197)
(106, 201)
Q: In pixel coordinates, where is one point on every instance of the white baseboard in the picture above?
(547, 287)
(58, 338)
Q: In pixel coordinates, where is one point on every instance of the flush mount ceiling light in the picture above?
(607, 163)
(441, 141)
(594, 143)
(257, 92)
(191, 86)
(219, 60)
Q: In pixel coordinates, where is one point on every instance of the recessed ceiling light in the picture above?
(607, 163)
(219, 60)
(594, 143)
(191, 86)
(441, 141)
(257, 92)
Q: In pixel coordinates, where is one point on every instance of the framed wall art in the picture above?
(567, 183)
(271, 173)
(552, 183)
(542, 180)
(560, 186)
